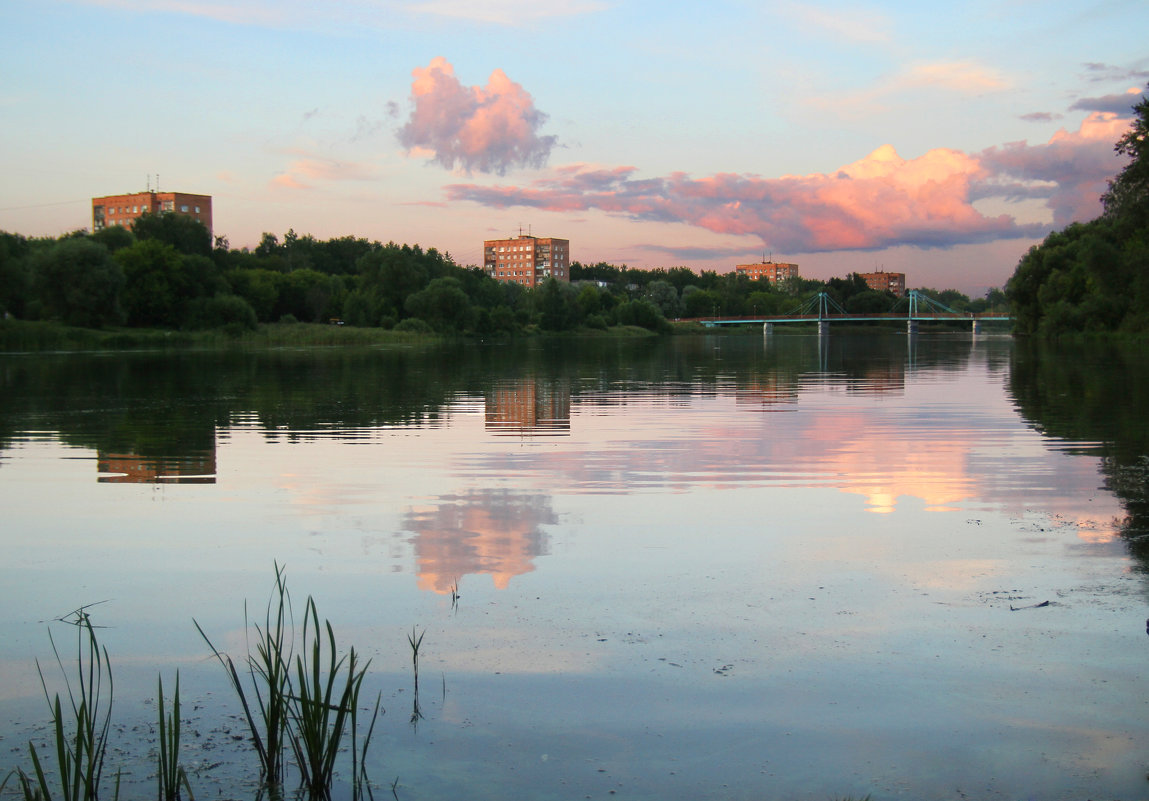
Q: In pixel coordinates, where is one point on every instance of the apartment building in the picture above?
(772, 271)
(527, 260)
(883, 282)
(124, 210)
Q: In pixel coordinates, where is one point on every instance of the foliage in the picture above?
(160, 284)
(1128, 194)
(229, 312)
(643, 314)
(184, 233)
(171, 774)
(1093, 277)
(324, 707)
(269, 674)
(443, 305)
(81, 729)
(165, 281)
(309, 702)
(78, 283)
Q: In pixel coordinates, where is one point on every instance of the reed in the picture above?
(170, 774)
(324, 705)
(81, 738)
(268, 669)
(415, 643)
(308, 702)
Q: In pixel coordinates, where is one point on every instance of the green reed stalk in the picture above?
(325, 704)
(170, 774)
(81, 746)
(415, 643)
(270, 678)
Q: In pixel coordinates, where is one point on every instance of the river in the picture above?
(727, 566)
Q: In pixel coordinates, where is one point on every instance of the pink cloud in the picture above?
(307, 170)
(1069, 172)
(486, 129)
(877, 202)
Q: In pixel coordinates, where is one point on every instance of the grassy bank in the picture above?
(24, 336)
(33, 336)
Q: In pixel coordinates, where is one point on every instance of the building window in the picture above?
(184, 209)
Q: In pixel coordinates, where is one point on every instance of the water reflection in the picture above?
(483, 532)
(685, 539)
(864, 427)
(529, 406)
(1083, 395)
(134, 468)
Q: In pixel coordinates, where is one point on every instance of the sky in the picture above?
(942, 142)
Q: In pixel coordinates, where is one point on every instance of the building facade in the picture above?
(527, 260)
(882, 281)
(772, 271)
(125, 209)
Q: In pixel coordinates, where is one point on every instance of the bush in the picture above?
(596, 321)
(414, 325)
(222, 311)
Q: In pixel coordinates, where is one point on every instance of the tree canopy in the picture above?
(1093, 277)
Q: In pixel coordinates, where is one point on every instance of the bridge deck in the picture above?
(855, 318)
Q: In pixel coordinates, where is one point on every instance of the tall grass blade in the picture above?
(268, 672)
(81, 741)
(170, 774)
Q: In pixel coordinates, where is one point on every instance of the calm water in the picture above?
(722, 567)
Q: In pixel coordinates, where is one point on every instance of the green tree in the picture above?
(443, 305)
(665, 297)
(642, 313)
(226, 311)
(15, 275)
(114, 237)
(160, 283)
(559, 312)
(1128, 194)
(309, 295)
(186, 234)
(698, 302)
(78, 283)
(870, 302)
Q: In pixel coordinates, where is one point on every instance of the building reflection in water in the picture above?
(131, 468)
(493, 532)
(530, 407)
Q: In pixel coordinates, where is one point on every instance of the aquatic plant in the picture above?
(170, 774)
(415, 643)
(269, 674)
(324, 707)
(82, 740)
(308, 701)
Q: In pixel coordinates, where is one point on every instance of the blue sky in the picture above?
(938, 141)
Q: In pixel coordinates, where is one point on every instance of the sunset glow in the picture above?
(838, 138)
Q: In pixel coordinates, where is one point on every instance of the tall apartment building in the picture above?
(772, 271)
(125, 209)
(882, 281)
(527, 260)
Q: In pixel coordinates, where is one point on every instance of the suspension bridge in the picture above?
(823, 310)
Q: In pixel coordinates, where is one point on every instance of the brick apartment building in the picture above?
(882, 281)
(772, 271)
(527, 260)
(125, 209)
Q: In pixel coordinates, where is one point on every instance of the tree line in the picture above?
(1093, 277)
(168, 273)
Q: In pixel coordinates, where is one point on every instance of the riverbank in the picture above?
(23, 336)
